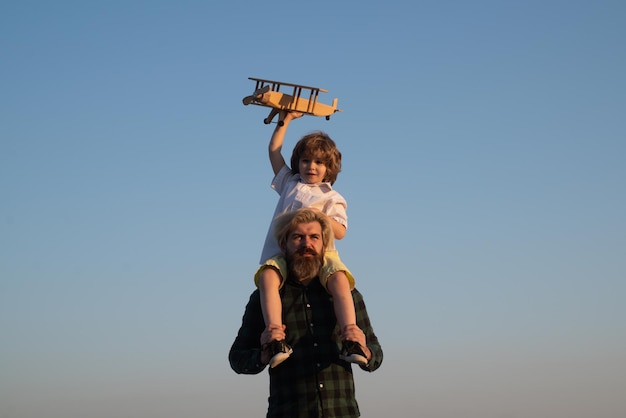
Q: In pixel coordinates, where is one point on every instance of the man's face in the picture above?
(305, 250)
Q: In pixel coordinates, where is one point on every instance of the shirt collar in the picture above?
(326, 186)
(315, 281)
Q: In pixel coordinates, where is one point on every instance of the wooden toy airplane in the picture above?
(267, 93)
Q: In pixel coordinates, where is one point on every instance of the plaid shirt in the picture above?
(313, 381)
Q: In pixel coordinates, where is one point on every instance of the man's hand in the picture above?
(354, 333)
(271, 333)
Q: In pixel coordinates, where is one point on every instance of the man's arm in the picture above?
(373, 350)
(245, 353)
(278, 137)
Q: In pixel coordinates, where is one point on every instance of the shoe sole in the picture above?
(354, 358)
(279, 358)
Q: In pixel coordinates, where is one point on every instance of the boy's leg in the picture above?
(338, 286)
(271, 306)
(269, 281)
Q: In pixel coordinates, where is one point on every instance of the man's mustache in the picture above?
(304, 251)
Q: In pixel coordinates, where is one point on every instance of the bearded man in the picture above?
(314, 381)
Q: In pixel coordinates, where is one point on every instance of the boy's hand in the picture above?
(287, 115)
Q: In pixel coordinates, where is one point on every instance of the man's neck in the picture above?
(302, 282)
(305, 282)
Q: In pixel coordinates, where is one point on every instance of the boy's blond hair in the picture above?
(318, 142)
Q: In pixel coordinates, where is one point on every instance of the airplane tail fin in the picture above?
(335, 100)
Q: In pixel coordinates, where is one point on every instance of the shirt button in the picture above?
(321, 386)
(314, 344)
(319, 365)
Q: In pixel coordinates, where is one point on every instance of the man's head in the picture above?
(303, 235)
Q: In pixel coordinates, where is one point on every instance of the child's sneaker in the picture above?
(352, 352)
(280, 352)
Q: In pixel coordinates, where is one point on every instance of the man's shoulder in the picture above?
(356, 292)
(357, 296)
(255, 297)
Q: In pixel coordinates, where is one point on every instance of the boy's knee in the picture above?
(336, 276)
(268, 276)
(269, 271)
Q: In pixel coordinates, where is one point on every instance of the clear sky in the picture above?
(484, 149)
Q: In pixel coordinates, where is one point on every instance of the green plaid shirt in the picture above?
(313, 381)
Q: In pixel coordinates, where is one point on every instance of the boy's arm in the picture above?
(278, 137)
(339, 230)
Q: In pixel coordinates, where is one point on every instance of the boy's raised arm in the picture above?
(278, 137)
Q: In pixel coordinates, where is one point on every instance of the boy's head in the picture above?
(318, 145)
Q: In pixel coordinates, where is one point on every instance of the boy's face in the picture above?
(312, 168)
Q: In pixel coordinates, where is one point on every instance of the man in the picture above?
(314, 381)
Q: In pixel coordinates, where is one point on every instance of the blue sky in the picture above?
(483, 148)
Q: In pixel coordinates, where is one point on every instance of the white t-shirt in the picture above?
(296, 194)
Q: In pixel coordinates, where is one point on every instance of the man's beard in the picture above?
(305, 268)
